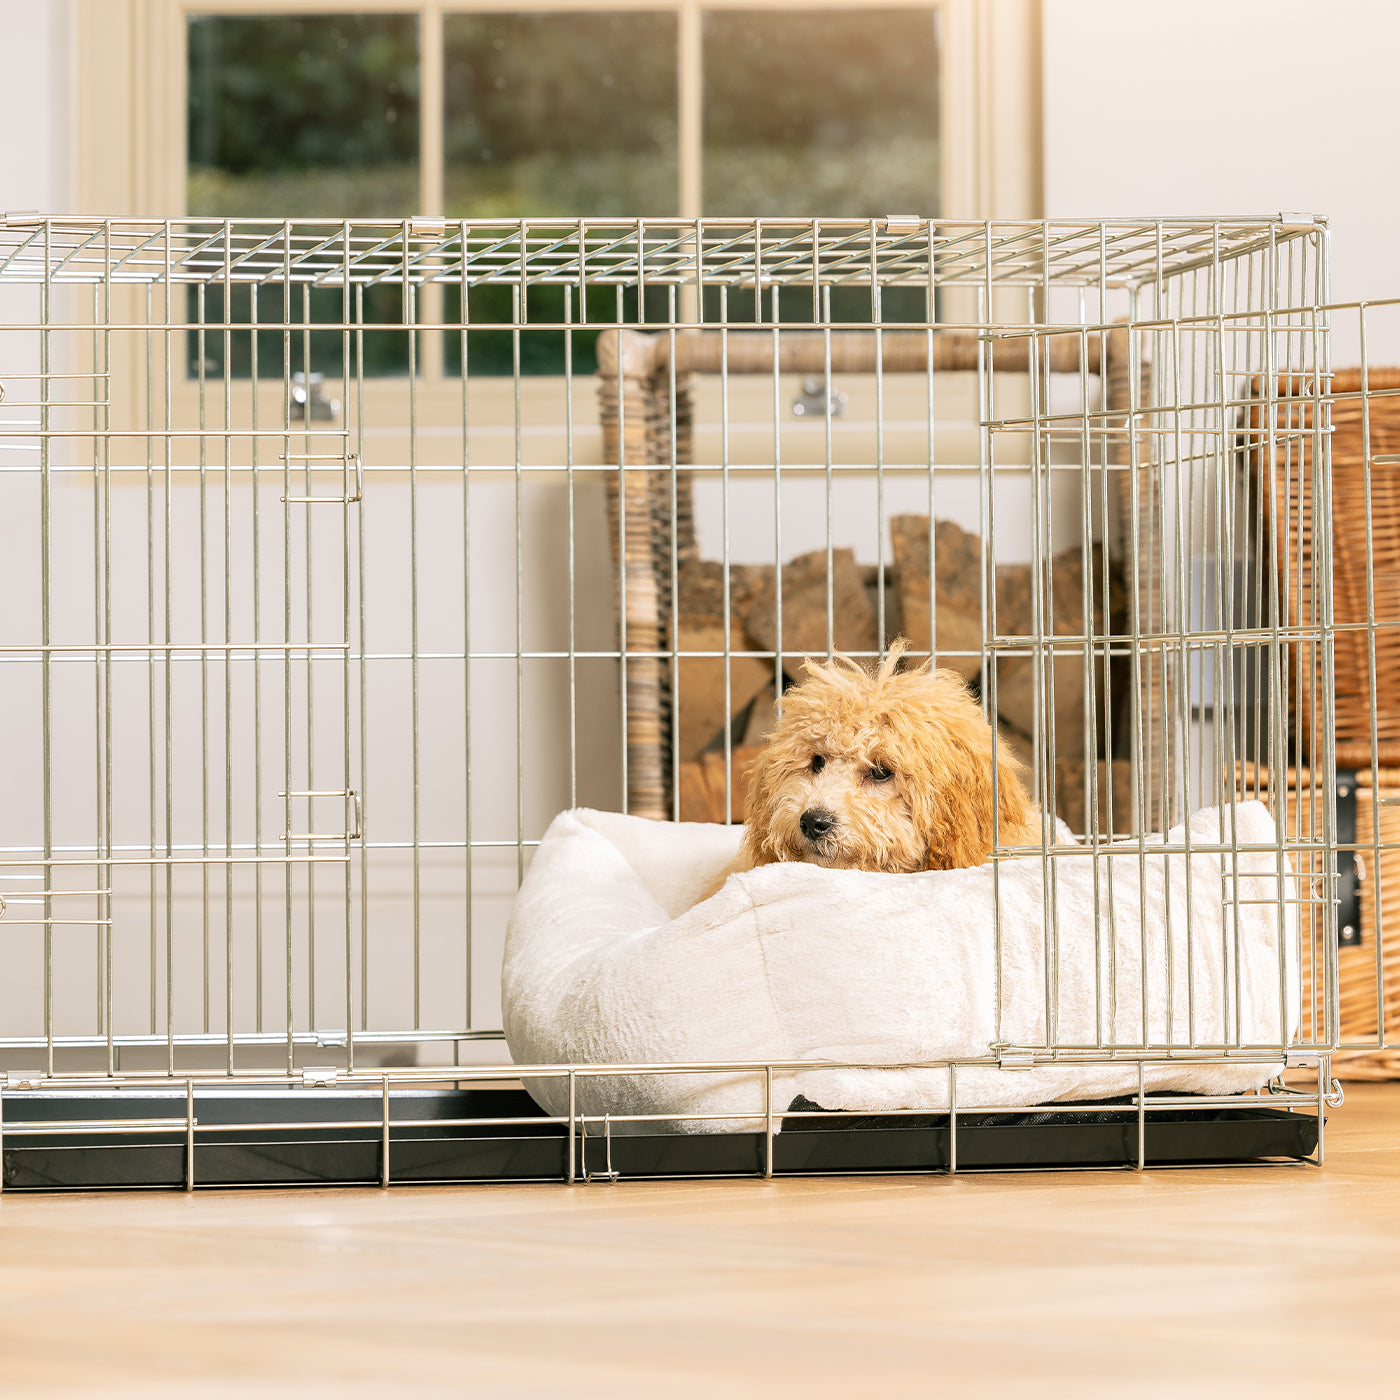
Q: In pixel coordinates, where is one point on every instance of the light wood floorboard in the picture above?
(1261, 1281)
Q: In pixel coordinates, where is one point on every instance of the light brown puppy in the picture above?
(887, 771)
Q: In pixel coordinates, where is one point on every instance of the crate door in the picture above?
(179, 808)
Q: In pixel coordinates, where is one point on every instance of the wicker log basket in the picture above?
(1364, 418)
(1368, 972)
(1362, 409)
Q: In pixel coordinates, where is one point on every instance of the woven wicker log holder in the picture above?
(646, 414)
(1364, 419)
(1368, 966)
(1360, 414)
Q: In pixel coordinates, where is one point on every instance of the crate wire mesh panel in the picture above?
(299, 661)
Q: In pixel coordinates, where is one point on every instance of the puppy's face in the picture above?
(886, 772)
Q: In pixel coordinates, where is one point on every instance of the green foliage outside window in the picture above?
(573, 114)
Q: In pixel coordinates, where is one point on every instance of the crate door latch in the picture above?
(1348, 872)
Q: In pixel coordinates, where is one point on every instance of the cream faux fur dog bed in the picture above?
(608, 959)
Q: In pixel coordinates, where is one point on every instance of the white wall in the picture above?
(33, 105)
(1234, 107)
(34, 145)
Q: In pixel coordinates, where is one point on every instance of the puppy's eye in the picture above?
(880, 774)
(818, 763)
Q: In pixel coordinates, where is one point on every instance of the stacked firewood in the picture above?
(847, 605)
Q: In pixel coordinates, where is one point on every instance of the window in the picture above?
(828, 109)
(479, 113)
(387, 108)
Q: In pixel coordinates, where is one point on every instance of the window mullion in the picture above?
(689, 96)
(430, 173)
(690, 127)
(430, 115)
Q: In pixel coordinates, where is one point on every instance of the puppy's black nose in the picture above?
(816, 822)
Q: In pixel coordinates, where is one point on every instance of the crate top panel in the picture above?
(737, 253)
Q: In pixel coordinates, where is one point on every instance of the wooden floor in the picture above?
(1265, 1282)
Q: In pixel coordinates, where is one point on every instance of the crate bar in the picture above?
(466, 657)
(227, 348)
(169, 693)
(45, 614)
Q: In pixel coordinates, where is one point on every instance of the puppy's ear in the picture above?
(957, 808)
(759, 805)
(957, 817)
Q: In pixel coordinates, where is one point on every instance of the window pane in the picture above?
(821, 113)
(377, 314)
(291, 118)
(735, 306)
(560, 114)
(303, 116)
(493, 352)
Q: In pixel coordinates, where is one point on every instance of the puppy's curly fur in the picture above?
(887, 771)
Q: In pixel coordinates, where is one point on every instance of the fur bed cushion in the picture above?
(608, 959)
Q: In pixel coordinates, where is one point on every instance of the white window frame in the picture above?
(129, 95)
(128, 84)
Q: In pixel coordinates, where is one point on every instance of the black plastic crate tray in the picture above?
(303, 1153)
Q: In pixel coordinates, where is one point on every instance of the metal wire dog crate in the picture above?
(339, 556)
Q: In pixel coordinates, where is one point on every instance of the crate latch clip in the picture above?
(1014, 1057)
(1348, 872)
